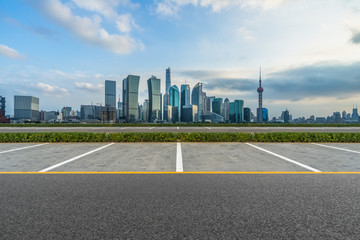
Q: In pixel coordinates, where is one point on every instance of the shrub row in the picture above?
(176, 124)
(179, 137)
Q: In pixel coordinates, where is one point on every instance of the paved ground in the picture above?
(187, 206)
(179, 206)
(179, 157)
(179, 129)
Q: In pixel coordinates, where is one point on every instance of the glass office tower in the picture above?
(130, 95)
(185, 99)
(174, 103)
(154, 107)
(110, 93)
(197, 99)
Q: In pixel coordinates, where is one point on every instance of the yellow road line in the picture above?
(179, 172)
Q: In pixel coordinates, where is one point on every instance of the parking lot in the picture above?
(179, 157)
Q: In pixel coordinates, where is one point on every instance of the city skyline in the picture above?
(309, 57)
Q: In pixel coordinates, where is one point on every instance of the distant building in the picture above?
(189, 113)
(110, 93)
(2, 105)
(49, 116)
(26, 108)
(197, 99)
(225, 110)
(236, 111)
(217, 106)
(166, 95)
(66, 112)
(185, 99)
(247, 115)
(130, 98)
(90, 112)
(154, 107)
(174, 103)
(286, 116)
(355, 115)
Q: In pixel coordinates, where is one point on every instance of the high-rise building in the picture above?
(166, 95)
(66, 112)
(236, 111)
(355, 114)
(185, 98)
(26, 108)
(145, 111)
(225, 110)
(344, 115)
(197, 99)
(189, 113)
(174, 103)
(286, 116)
(130, 98)
(217, 106)
(247, 115)
(2, 105)
(154, 108)
(110, 93)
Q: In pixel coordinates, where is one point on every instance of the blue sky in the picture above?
(62, 50)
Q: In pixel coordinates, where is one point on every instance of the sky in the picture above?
(62, 51)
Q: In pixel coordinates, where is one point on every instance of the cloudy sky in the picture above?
(62, 50)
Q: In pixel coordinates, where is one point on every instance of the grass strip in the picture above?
(179, 137)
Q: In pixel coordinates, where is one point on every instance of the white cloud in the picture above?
(245, 34)
(50, 90)
(171, 7)
(9, 52)
(89, 29)
(89, 87)
(264, 4)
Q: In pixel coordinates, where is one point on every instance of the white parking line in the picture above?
(177, 127)
(342, 149)
(179, 161)
(285, 158)
(208, 128)
(74, 158)
(152, 128)
(17, 149)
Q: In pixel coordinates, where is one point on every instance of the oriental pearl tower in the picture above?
(260, 90)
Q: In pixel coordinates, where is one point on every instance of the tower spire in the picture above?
(260, 77)
(260, 90)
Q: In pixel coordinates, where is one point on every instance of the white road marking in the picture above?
(285, 158)
(343, 149)
(179, 161)
(208, 128)
(152, 128)
(177, 127)
(17, 149)
(235, 128)
(74, 158)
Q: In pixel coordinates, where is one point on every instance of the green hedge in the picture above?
(179, 137)
(177, 124)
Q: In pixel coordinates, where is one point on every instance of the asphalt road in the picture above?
(187, 206)
(180, 129)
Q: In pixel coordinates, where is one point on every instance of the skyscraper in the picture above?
(26, 108)
(130, 96)
(197, 99)
(110, 93)
(174, 103)
(185, 99)
(217, 106)
(225, 110)
(236, 111)
(166, 95)
(154, 107)
(2, 105)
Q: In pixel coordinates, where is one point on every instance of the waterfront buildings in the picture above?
(154, 105)
(2, 105)
(166, 95)
(26, 108)
(197, 99)
(185, 100)
(174, 102)
(110, 93)
(130, 98)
